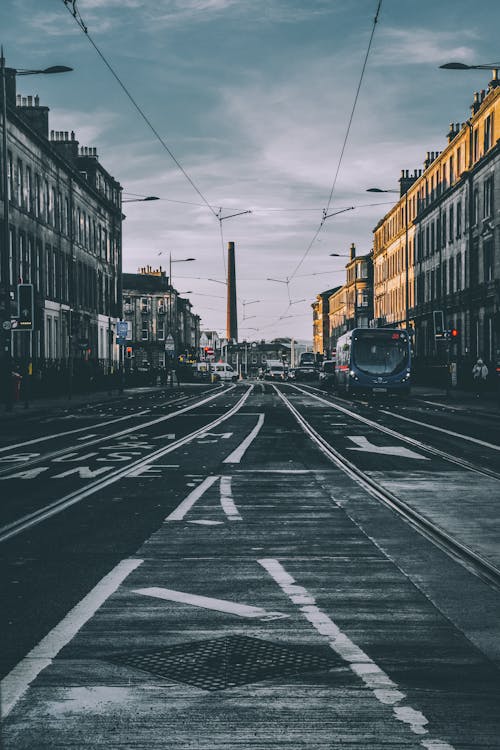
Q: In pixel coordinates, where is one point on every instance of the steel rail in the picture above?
(32, 519)
(103, 438)
(471, 560)
(405, 438)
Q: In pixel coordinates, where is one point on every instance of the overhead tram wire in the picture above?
(73, 10)
(351, 117)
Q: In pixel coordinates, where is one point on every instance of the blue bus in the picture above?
(374, 360)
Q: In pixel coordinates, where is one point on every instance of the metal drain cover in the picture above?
(221, 663)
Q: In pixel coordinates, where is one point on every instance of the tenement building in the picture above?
(351, 305)
(161, 324)
(61, 233)
(321, 322)
(436, 253)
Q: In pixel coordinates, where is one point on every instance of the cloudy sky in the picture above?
(253, 98)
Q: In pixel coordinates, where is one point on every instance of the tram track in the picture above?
(30, 520)
(461, 462)
(460, 552)
(49, 456)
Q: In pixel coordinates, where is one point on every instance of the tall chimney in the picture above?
(352, 251)
(232, 313)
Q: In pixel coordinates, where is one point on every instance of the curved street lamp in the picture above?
(141, 200)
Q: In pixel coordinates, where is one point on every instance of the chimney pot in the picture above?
(66, 135)
(30, 101)
(37, 100)
(51, 135)
(24, 101)
(72, 135)
(18, 100)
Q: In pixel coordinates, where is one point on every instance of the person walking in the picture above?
(479, 375)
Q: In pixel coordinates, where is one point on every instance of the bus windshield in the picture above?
(382, 354)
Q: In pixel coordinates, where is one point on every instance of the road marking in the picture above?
(226, 500)
(28, 474)
(207, 602)
(15, 684)
(365, 446)
(236, 456)
(223, 435)
(86, 437)
(383, 688)
(84, 472)
(19, 457)
(203, 522)
(188, 502)
(446, 432)
(57, 506)
(167, 436)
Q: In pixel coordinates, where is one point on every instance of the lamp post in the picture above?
(172, 319)
(141, 200)
(7, 277)
(407, 270)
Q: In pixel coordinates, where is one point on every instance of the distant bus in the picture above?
(374, 360)
(307, 358)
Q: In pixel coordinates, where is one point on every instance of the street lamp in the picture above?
(339, 255)
(463, 66)
(407, 286)
(141, 200)
(4, 262)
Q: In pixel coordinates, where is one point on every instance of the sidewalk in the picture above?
(63, 403)
(488, 403)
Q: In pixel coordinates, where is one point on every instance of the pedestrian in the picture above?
(479, 375)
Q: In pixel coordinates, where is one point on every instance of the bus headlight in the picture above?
(406, 377)
(353, 375)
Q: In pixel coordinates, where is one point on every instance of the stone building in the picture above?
(321, 332)
(161, 324)
(437, 251)
(351, 305)
(63, 236)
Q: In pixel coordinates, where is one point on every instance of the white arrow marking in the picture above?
(365, 446)
(236, 456)
(206, 602)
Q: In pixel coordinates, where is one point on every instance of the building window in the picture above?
(488, 197)
(443, 227)
(451, 275)
(475, 145)
(488, 260)
(160, 329)
(488, 132)
(29, 191)
(144, 330)
(144, 305)
(459, 271)
(46, 202)
(20, 184)
(12, 257)
(451, 219)
(475, 208)
(458, 232)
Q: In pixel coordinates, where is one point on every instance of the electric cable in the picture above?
(73, 10)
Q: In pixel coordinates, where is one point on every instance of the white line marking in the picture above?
(207, 602)
(365, 446)
(236, 456)
(20, 525)
(188, 502)
(203, 522)
(63, 434)
(446, 432)
(275, 471)
(226, 500)
(15, 684)
(383, 688)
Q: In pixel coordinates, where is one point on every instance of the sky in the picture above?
(253, 98)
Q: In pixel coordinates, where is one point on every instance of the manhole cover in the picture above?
(221, 663)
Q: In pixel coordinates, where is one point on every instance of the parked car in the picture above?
(326, 375)
(306, 373)
(275, 372)
(224, 372)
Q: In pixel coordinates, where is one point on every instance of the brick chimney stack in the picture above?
(232, 312)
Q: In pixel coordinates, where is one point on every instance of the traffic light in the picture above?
(25, 306)
(128, 352)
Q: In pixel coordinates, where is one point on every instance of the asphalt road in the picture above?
(199, 569)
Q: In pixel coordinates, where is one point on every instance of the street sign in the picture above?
(122, 329)
(169, 343)
(7, 325)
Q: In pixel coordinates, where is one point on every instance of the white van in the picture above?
(217, 370)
